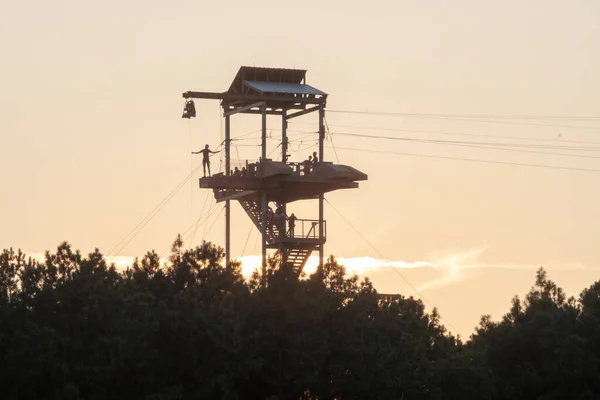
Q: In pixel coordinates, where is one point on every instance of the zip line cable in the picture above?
(198, 221)
(521, 151)
(201, 213)
(455, 133)
(236, 152)
(490, 146)
(524, 145)
(330, 137)
(150, 216)
(472, 160)
(248, 238)
(384, 259)
(246, 134)
(255, 244)
(475, 116)
(142, 224)
(215, 221)
(204, 232)
(391, 114)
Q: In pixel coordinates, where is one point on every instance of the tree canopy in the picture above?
(75, 327)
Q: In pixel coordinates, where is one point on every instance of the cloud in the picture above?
(353, 265)
(452, 266)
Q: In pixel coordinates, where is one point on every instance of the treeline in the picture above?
(74, 327)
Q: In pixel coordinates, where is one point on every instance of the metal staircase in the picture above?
(297, 257)
(290, 251)
(253, 209)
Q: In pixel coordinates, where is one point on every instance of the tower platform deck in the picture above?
(283, 182)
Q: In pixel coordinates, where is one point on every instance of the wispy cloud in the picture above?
(451, 266)
(353, 265)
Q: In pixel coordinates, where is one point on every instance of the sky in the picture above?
(93, 140)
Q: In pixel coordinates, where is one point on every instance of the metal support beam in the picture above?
(254, 98)
(242, 109)
(303, 112)
(227, 202)
(269, 111)
(321, 196)
(284, 139)
(264, 196)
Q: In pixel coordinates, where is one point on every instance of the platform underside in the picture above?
(277, 190)
(284, 184)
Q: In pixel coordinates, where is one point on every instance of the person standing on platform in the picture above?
(205, 158)
(292, 223)
(307, 165)
(315, 160)
(281, 224)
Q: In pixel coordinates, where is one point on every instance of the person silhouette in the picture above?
(205, 158)
(292, 223)
(307, 165)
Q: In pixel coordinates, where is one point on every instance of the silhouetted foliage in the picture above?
(73, 327)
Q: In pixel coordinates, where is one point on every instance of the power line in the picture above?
(384, 259)
(473, 160)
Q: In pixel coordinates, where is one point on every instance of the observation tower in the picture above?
(268, 184)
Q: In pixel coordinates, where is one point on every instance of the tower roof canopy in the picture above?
(279, 89)
(262, 74)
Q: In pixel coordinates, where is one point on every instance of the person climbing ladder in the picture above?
(205, 158)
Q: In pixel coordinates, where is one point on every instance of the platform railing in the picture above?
(301, 168)
(306, 229)
(251, 169)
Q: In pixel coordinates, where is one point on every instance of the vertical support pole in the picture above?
(284, 140)
(227, 202)
(321, 195)
(284, 145)
(264, 195)
(284, 151)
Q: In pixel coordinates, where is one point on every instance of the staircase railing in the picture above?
(302, 228)
(306, 229)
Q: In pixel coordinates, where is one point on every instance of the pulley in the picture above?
(189, 110)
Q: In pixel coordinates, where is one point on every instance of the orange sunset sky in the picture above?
(93, 140)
